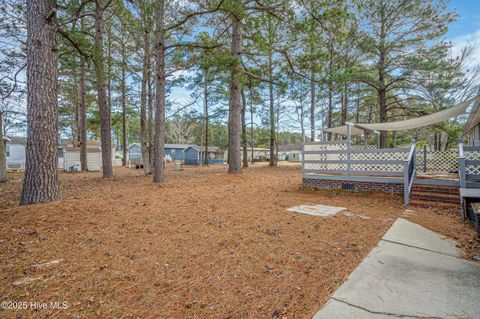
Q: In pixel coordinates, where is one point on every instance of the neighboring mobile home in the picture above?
(173, 152)
(194, 155)
(259, 154)
(284, 152)
(295, 156)
(68, 155)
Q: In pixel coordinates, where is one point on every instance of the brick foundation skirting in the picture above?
(395, 188)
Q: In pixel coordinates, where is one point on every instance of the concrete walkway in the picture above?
(412, 273)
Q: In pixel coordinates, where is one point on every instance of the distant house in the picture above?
(295, 156)
(285, 150)
(68, 155)
(194, 155)
(15, 152)
(259, 154)
(173, 152)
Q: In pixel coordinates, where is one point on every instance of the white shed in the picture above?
(72, 158)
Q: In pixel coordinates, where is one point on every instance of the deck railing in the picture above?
(469, 166)
(337, 158)
(409, 173)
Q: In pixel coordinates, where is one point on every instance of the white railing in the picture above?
(409, 173)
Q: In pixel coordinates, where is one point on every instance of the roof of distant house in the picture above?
(18, 140)
(22, 140)
(181, 146)
(289, 147)
(210, 148)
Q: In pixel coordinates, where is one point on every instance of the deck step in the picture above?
(436, 197)
(430, 204)
(432, 195)
(435, 189)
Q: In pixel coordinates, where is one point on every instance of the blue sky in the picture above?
(469, 20)
(466, 30)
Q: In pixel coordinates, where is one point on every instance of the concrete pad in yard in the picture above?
(411, 234)
(401, 281)
(316, 210)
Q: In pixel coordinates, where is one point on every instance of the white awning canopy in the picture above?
(404, 125)
(343, 130)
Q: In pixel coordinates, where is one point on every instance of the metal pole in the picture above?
(425, 158)
(349, 145)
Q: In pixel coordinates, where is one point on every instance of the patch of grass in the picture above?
(334, 192)
(365, 192)
(308, 188)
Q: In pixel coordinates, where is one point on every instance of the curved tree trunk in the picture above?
(159, 172)
(40, 184)
(234, 126)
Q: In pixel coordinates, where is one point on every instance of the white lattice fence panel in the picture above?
(472, 169)
(326, 166)
(472, 155)
(325, 146)
(362, 147)
(438, 161)
(383, 156)
(377, 167)
(325, 156)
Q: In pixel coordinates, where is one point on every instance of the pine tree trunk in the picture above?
(40, 183)
(205, 101)
(271, 111)
(312, 104)
(143, 107)
(82, 112)
(382, 91)
(252, 131)
(244, 130)
(105, 116)
(3, 157)
(124, 105)
(234, 125)
(159, 172)
(150, 112)
(344, 103)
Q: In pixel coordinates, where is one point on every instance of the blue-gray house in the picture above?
(173, 152)
(194, 155)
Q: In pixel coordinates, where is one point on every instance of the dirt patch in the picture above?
(203, 245)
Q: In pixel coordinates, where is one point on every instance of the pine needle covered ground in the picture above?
(203, 245)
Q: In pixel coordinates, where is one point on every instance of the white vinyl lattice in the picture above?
(473, 155)
(438, 161)
(325, 154)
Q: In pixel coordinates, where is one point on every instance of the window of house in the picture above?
(7, 150)
(60, 153)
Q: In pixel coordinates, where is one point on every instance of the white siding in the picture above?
(16, 156)
(94, 160)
